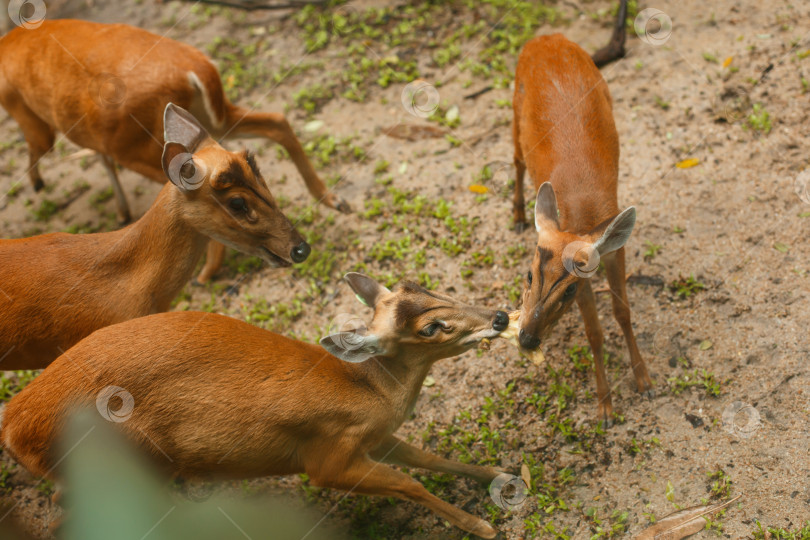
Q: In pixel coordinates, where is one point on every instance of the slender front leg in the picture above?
(373, 478)
(518, 202)
(397, 452)
(275, 127)
(213, 262)
(614, 267)
(587, 306)
(124, 215)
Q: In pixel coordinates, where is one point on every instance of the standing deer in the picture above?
(105, 87)
(58, 288)
(565, 136)
(225, 399)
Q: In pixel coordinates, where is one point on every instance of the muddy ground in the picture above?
(728, 88)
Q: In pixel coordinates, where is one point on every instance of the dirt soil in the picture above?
(728, 88)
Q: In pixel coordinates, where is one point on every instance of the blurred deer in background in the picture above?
(59, 287)
(225, 399)
(564, 134)
(105, 86)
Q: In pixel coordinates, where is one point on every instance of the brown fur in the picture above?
(564, 134)
(223, 398)
(105, 87)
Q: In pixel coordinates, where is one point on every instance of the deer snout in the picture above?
(528, 341)
(300, 252)
(501, 321)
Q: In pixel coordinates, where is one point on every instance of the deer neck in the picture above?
(160, 251)
(398, 379)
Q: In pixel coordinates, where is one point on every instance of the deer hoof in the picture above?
(649, 394)
(340, 205)
(521, 226)
(39, 185)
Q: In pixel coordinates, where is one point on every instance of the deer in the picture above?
(565, 136)
(104, 86)
(58, 288)
(208, 396)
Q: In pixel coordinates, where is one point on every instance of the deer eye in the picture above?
(430, 329)
(570, 290)
(238, 204)
(529, 278)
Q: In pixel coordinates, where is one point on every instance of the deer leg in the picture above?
(374, 478)
(614, 268)
(213, 262)
(397, 452)
(587, 306)
(518, 202)
(38, 135)
(124, 215)
(275, 127)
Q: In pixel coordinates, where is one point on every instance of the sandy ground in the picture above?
(737, 222)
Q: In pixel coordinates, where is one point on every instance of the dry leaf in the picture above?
(526, 475)
(727, 61)
(687, 163)
(705, 345)
(682, 523)
(478, 188)
(429, 381)
(414, 132)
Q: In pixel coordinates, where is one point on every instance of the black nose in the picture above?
(501, 321)
(300, 252)
(528, 341)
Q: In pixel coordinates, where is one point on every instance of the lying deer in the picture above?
(105, 87)
(565, 136)
(58, 288)
(224, 399)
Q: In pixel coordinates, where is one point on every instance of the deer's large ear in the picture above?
(351, 346)
(545, 209)
(366, 289)
(180, 126)
(617, 233)
(181, 168)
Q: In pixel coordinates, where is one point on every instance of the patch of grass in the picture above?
(686, 287)
(12, 382)
(704, 379)
(651, 250)
(778, 533)
(759, 120)
(47, 209)
(719, 484)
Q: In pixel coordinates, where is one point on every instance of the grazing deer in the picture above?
(224, 399)
(565, 136)
(58, 288)
(105, 87)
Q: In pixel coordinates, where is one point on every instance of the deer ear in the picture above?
(545, 209)
(366, 289)
(617, 233)
(180, 126)
(351, 346)
(180, 167)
